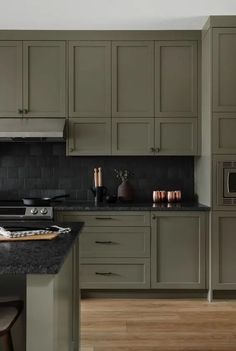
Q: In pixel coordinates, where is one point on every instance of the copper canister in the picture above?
(156, 196)
(163, 195)
(170, 196)
(178, 195)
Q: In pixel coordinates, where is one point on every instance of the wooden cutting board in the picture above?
(48, 236)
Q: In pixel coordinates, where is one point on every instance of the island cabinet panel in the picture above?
(115, 273)
(224, 131)
(224, 72)
(44, 78)
(133, 79)
(176, 136)
(132, 136)
(176, 74)
(90, 79)
(89, 136)
(224, 248)
(10, 78)
(178, 250)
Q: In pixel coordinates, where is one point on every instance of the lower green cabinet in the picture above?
(178, 250)
(224, 250)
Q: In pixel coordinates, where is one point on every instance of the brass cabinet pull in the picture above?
(103, 273)
(105, 218)
(152, 149)
(103, 242)
(154, 217)
(20, 111)
(25, 111)
(157, 149)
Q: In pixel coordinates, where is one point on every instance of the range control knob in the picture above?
(44, 211)
(34, 211)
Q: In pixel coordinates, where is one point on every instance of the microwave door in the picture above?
(230, 183)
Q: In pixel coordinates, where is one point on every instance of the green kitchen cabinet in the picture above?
(44, 79)
(176, 136)
(133, 79)
(176, 79)
(33, 79)
(89, 136)
(223, 250)
(90, 78)
(11, 79)
(178, 250)
(132, 136)
(223, 133)
(224, 69)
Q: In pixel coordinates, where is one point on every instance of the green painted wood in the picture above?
(178, 250)
(89, 136)
(224, 73)
(115, 273)
(44, 78)
(90, 79)
(176, 136)
(176, 75)
(224, 131)
(223, 250)
(10, 78)
(115, 242)
(107, 218)
(132, 79)
(132, 136)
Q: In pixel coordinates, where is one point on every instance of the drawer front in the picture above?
(115, 242)
(108, 218)
(115, 274)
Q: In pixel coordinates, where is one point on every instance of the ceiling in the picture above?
(111, 14)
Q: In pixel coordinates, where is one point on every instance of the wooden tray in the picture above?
(48, 236)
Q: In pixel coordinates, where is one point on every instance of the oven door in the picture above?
(230, 182)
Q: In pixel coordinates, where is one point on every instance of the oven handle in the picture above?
(228, 182)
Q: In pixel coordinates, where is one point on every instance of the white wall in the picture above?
(111, 14)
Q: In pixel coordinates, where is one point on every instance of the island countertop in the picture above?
(38, 256)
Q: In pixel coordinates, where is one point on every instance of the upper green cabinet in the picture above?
(224, 69)
(33, 79)
(89, 79)
(176, 73)
(44, 77)
(10, 79)
(133, 79)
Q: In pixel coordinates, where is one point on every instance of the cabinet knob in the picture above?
(71, 149)
(25, 111)
(157, 149)
(154, 217)
(20, 111)
(152, 149)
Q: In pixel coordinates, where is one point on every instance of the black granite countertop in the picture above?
(37, 257)
(145, 206)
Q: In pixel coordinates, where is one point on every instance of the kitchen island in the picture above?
(44, 274)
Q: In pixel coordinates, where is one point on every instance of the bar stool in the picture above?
(9, 312)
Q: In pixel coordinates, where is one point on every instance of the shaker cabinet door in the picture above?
(90, 79)
(223, 250)
(133, 79)
(44, 80)
(176, 74)
(176, 136)
(132, 136)
(10, 78)
(89, 136)
(224, 69)
(178, 250)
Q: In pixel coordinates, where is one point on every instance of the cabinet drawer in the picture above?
(108, 218)
(115, 273)
(115, 242)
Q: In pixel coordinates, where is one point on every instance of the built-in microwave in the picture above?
(225, 180)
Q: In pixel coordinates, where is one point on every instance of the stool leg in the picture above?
(7, 342)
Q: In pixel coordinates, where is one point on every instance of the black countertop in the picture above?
(37, 257)
(145, 206)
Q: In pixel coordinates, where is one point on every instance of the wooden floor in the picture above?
(158, 325)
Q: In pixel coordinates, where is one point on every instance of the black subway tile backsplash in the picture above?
(43, 169)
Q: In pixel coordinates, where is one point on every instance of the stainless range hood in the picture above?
(32, 129)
